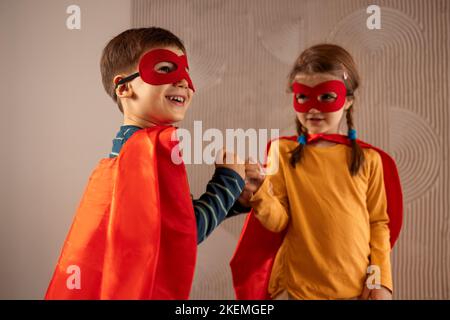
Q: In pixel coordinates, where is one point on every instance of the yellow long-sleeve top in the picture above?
(337, 225)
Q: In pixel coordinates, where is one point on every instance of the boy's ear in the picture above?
(123, 90)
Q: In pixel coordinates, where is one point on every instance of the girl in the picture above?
(320, 226)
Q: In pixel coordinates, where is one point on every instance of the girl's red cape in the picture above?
(253, 259)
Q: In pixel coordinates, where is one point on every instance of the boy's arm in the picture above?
(221, 194)
(238, 209)
(380, 247)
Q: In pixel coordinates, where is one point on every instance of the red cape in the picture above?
(134, 235)
(252, 263)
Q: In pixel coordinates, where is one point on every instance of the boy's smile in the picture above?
(177, 98)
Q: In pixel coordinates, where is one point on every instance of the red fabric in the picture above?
(134, 233)
(313, 94)
(152, 58)
(253, 259)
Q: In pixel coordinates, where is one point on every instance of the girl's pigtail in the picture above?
(357, 158)
(297, 153)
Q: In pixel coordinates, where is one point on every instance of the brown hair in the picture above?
(332, 59)
(122, 53)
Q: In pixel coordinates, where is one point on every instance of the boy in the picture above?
(136, 229)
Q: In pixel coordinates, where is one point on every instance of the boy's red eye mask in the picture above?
(148, 73)
(312, 95)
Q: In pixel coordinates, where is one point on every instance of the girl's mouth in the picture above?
(314, 120)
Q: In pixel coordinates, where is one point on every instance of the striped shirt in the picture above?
(217, 203)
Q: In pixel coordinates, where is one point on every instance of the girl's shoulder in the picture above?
(284, 143)
(282, 147)
(371, 154)
(372, 159)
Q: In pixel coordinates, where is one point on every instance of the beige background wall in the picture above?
(57, 122)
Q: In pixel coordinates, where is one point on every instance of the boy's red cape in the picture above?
(252, 263)
(134, 235)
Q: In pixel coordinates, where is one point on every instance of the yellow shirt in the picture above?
(337, 225)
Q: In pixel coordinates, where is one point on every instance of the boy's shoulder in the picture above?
(142, 138)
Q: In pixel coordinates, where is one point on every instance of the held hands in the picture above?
(249, 170)
(254, 177)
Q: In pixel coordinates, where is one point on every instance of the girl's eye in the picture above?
(165, 67)
(327, 97)
(301, 98)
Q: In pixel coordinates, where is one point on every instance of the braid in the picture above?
(297, 153)
(357, 158)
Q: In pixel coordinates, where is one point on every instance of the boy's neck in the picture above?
(141, 123)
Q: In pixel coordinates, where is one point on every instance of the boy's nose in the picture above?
(182, 83)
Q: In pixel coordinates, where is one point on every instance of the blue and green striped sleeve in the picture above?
(222, 192)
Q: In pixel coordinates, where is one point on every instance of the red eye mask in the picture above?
(148, 73)
(313, 94)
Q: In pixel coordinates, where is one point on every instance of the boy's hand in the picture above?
(254, 177)
(376, 294)
(231, 161)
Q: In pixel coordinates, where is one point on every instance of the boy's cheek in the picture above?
(188, 104)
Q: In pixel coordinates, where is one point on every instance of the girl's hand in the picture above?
(254, 178)
(381, 294)
(376, 294)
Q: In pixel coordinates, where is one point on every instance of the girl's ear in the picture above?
(124, 90)
(348, 103)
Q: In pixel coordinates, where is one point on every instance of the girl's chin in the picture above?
(315, 130)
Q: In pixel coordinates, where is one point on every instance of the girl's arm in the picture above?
(380, 247)
(270, 202)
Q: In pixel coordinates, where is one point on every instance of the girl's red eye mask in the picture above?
(311, 95)
(148, 73)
